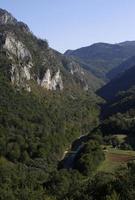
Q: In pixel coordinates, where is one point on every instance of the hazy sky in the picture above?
(70, 24)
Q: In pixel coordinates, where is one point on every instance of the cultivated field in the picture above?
(115, 158)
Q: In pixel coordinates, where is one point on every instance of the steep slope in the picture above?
(118, 117)
(122, 83)
(82, 76)
(118, 113)
(33, 62)
(121, 68)
(100, 58)
(45, 99)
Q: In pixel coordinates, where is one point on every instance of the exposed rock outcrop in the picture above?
(51, 83)
(75, 68)
(22, 64)
(17, 48)
(31, 60)
(6, 18)
(21, 61)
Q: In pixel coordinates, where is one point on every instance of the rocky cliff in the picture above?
(32, 61)
(6, 18)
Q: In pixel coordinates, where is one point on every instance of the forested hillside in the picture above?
(46, 102)
(101, 58)
(121, 68)
(51, 114)
(120, 84)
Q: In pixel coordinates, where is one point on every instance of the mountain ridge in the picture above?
(119, 84)
(100, 58)
(32, 60)
(121, 68)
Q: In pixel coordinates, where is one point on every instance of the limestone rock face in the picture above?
(31, 62)
(75, 68)
(57, 81)
(51, 82)
(21, 61)
(16, 47)
(46, 81)
(21, 76)
(22, 64)
(6, 18)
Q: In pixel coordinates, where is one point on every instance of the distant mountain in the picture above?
(121, 68)
(48, 105)
(100, 58)
(127, 43)
(120, 84)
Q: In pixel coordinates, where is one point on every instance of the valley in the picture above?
(67, 121)
(115, 157)
(70, 154)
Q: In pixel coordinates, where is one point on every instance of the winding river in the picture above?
(68, 161)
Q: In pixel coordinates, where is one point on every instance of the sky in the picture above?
(71, 24)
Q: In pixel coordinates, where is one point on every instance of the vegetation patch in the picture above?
(115, 158)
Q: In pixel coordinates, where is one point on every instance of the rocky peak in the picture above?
(6, 18)
(32, 61)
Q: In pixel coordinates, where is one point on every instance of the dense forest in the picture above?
(52, 112)
(34, 133)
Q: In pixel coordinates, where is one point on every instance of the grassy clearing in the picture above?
(115, 158)
(121, 137)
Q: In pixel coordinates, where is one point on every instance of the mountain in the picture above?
(43, 98)
(121, 68)
(122, 83)
(33, 62)
(49, 111)
(100, 58)
(127, 44)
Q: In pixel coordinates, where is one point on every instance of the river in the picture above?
(69, 156)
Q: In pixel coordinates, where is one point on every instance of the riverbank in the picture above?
(69, 155)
